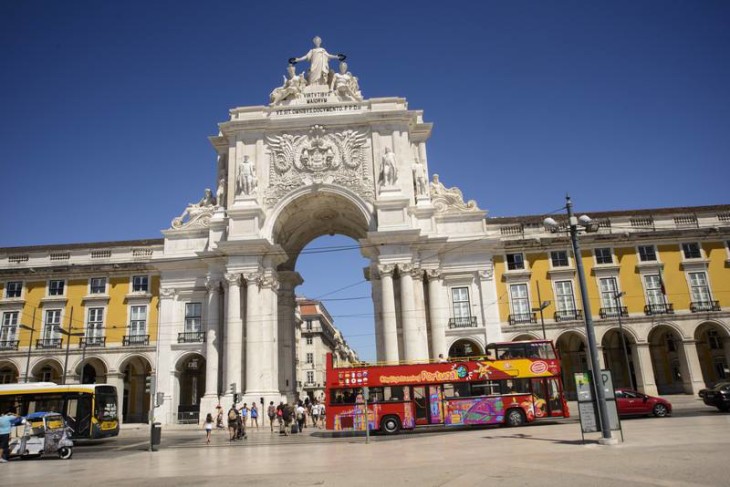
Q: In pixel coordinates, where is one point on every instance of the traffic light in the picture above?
(149, 384)
(233, 393)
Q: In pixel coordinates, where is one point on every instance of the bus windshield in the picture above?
(106, 404)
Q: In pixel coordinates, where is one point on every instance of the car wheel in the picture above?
(515, 417)
(390, 425)
(660, 410)
(64, 453)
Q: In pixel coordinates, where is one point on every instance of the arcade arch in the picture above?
(614, 357)
(47, 370)
(9, 373)
(668, 360)
(91, 370)
(572, 351)
(713, 351)
(135, 401)
(465, 347)
(190, 374)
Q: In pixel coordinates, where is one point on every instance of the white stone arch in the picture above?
(628, 330)
(134, 400)
(474, 340)
(38, 364)
(91, 360)
(365, 208)
(712, 345)
(670, 361)
(710, 321)
(188, 386)
(123, 360)
(674, 326)
(14, 368)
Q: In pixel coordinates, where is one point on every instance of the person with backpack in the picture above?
(280, 417)
(271, 413)
(233, 418)
(288, 416)
(301, 417)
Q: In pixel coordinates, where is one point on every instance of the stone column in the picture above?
(390, 325)
(234, 334)
(488, 305)
(269, 336)
(168, 325)
(212, 338)
(645, 381)
(692, 371)
(415, 339)
(438, 309)
(377, 294)
(255, 347)
(288, 281)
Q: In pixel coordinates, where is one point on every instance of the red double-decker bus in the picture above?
(513, 383)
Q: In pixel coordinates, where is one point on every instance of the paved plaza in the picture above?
(689, 448)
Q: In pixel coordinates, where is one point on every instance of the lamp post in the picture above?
(30, 345)
(617, 299)
(543, 305)
(600, 394)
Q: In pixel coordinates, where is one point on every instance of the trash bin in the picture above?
(155, 436)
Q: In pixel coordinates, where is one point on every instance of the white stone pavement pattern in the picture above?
(665, 452)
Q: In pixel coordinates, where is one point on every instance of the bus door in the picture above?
(547, 397)
(420, 401)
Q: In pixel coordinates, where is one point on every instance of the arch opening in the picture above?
(619, 360)
(671, 371)
(135, 401)
(464, 348)
(9, 373)
(713, 350)
(572, 350)
(190, 373)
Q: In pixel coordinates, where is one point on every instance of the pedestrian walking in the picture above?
(244, 413)
(208, 426)
(6, 425)
(219, 417)
(271, 413)
(254, 415)
(322, 415)
(288, 417)
(301, 416)
(315, 414)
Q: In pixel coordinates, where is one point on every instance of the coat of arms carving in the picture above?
(318, 157)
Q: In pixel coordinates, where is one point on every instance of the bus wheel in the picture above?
(515, 417)
(390, 425)
(64, 453)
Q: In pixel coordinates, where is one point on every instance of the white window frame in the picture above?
(693, 286)
(638, 254)
(191, 325)
(133, 327)
(520, 315)
(310, 377)
(461, 306)
(48, 288)
(95, 326)
(7, 290)
(559, 302)
(9, 326)
(131, 283)
(608, 302)
(610, 254)
(50, 330)
(91, 285)
(684, 256)
(653, 295)
(310, 357)
(568, 262)
(506, 262)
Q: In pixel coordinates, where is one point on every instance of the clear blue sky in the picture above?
(105, 107)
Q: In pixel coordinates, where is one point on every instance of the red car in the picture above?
(632, 403)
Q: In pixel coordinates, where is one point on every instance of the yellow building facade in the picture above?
(660, 278)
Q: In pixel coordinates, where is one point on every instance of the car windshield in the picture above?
(720, 386)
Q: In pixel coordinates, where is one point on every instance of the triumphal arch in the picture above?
(321, 158)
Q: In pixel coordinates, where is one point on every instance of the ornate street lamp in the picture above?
(587, 225)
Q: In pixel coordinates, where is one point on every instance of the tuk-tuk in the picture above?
(42, 433)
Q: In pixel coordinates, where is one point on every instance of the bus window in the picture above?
(457, 389)
(106, 404)
(516, 386)
(394, 393)
(376, 394)
(540, 350)
(46, 403)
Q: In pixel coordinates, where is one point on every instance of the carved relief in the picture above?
(198, 214)
(488, 273)
(449, 200)
(167, 293)
(232, 279)
(434, 274)
(213, 285)
(319, 157)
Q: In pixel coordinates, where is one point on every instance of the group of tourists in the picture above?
(288, 418)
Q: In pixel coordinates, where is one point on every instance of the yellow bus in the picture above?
(90, 409)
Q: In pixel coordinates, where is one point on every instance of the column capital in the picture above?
(270, 282)
(406, 268)
(213, 285)
(232, 278)
(417, 273)
(167, 293)
(252, 278)
(486, 274)
(386, 270)
(434, 274)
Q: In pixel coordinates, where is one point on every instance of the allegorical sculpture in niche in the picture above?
(317, 157)
(420, 181)
(292, 88)
(220, 192)
(449, 199)
(388, 169)
(246, 180)
(197, 213)
(319, 66)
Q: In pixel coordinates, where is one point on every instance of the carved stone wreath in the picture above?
(318, 157)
